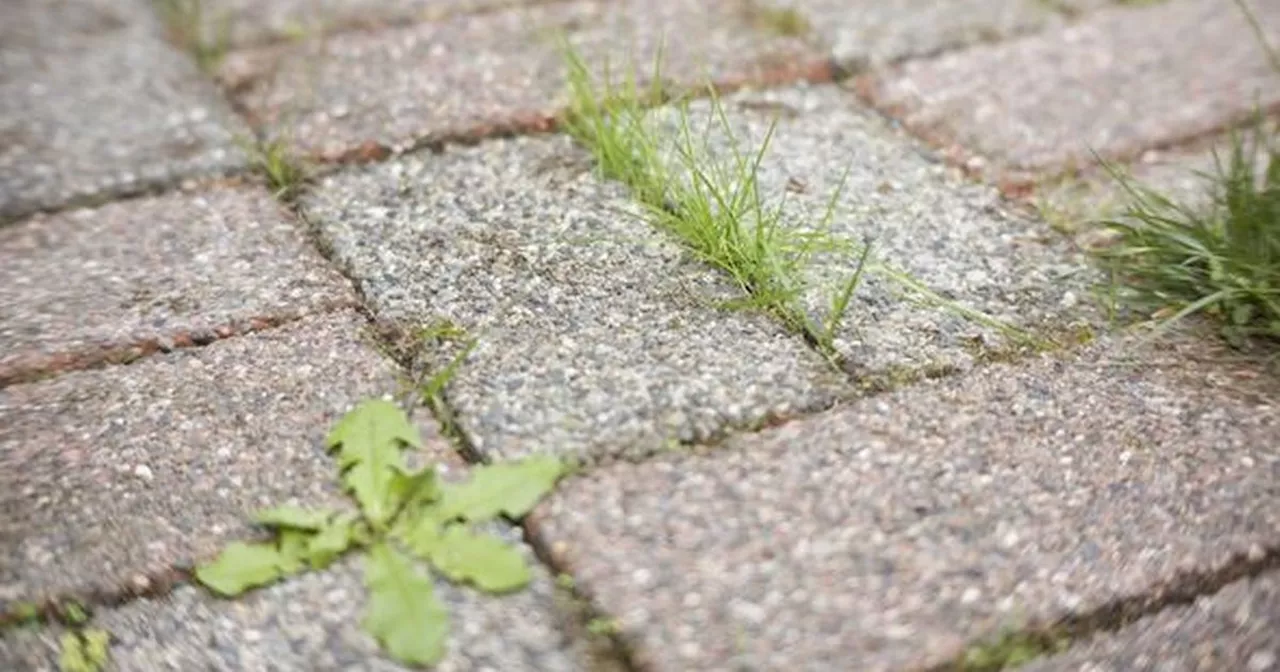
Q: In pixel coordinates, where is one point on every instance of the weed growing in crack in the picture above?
(286, 173)
(406, 519)
(716, 210)
(186, 21)
(84, 650)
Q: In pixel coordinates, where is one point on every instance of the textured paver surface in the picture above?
(471, 72)
(981, 464)
(312, 623)
(1120, 80)
(97, 284)
(110, 474)
(1037, 492)
(94, 103)
(952, 236)
(1233, 629)
(597, 336)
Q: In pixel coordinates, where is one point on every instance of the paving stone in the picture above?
(85, 286)
(866, 33)
(948, 233)
(597, 336)
(95, 104)
(1183, 174)
(312, 622)
(896, 530)
(394, 88)
(108, 475)
(1120, 81)
(247, 22)
(1236, 629)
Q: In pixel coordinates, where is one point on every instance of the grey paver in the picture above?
(470, 73)
(1121, 80)
(86, 285)
(107, 475)
(312, 622)
(246, 22)
(948, 233)
(868, 33)
(897, 529)
(597, 336)
(1237, 628)
(94, 103)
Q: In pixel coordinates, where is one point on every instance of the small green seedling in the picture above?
(285, 172)
(408, 520)
(84, 650)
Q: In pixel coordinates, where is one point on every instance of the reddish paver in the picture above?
(110, 474)
(358, 95)
(246, 22)
(1119, 81)
(1237, 628)
(897, 530)
(108, 284)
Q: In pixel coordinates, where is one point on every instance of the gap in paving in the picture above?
(1182, 589)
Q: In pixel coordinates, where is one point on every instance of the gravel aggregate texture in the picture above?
(358, 94)
(109, 475)
(87, 285)
(597, 336)
(95, 104)
(1119, 81)
(899, 529)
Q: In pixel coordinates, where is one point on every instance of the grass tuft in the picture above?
(714, 209)
(1220, 258)
(286, 173)
(783, 21)
(186, 21)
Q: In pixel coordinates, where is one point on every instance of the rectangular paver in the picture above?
(94, 103)
(953, 236)
(897, 530)
(596, 335)
(107, 475)
(357, 94)
(1237, 628)
(110, 283)
(1121, 80)
(246, 22)
(871, 33)
(312, 622)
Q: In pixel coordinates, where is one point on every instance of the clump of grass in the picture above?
(784, 21)
(1220, 258)
(285, 172)
(714, 209)
(186, 21)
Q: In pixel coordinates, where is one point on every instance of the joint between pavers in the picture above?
(40, 367)
(55, 609)
(1182, 589)
(621, 648)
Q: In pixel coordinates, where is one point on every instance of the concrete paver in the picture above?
(95, 104)
(869, 33)
(248, 22)
(1237, 628)
(110, 474)
(953, 236)
(312, 622)
(394, 88)
(898, 529)
(1121, 80)
(91, 285)
(597, 336)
